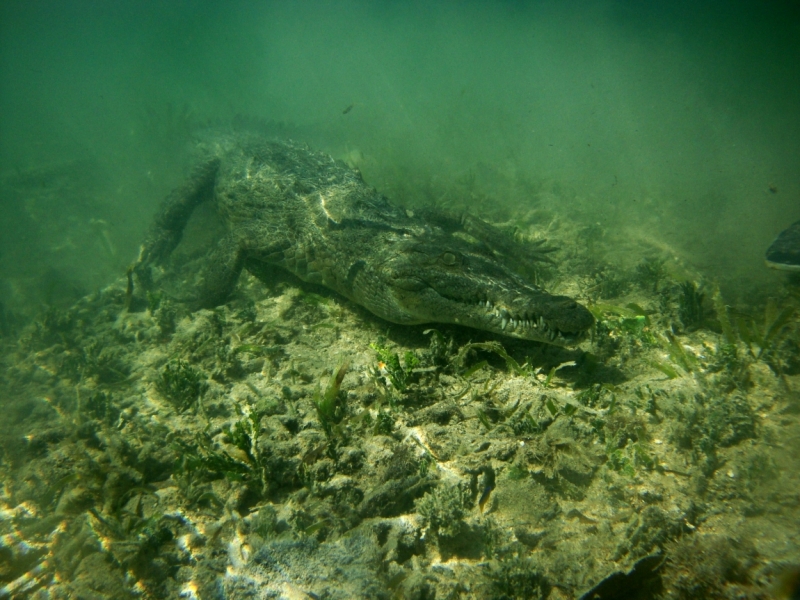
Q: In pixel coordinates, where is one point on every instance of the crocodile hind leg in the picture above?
(221, 272)
(166, 232)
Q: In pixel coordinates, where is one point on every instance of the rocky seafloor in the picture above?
(290, 445)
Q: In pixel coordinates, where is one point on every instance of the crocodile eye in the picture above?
(448, 258)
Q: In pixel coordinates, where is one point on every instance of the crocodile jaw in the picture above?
(530, 323)
(535, 315)
(444, 280)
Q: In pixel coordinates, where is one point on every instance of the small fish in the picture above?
(348, 109)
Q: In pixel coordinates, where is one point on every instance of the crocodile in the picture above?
(285, 205)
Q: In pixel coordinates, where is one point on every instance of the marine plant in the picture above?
(766, 338)
(710, 566)
(622, 327)
(53, 326)
(265, 522)
(518, 577)
(195, 491)
(712, 421)
(769, 341)
(731, 366)
(497, 348)
(440, 352)
(103, 362)
(443, 510)
(181, 384)
(389, 365)
(611, 284)
(201, 458)
(523, 424)
(678, 355)
(166, 316)
(621, 427)
(244, 435)
(650, 273)
(691, 309)
(141, 545)
(626, 460)
(329, 404)
(100, 406)
(517, 472)
(384, 423)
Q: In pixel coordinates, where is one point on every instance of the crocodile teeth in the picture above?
(503, 324)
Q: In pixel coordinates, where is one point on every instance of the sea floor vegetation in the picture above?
(290, 445)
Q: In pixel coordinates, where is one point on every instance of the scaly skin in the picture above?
(301, 210)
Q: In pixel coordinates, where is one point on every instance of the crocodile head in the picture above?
(423, 281)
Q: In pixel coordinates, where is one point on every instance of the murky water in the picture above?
(152, 450)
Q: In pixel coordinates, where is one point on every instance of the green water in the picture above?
(289, 443)
(673, 117)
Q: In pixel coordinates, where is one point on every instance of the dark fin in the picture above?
(784, 253)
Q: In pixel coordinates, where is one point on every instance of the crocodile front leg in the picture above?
(221, 272)
(248, 247)
(167, 230)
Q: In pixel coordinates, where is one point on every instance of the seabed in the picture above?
(291, 445)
